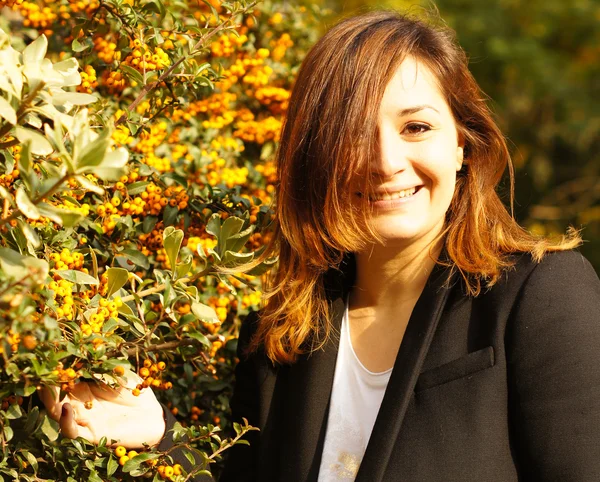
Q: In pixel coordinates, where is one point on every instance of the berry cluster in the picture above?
(88, 80)
(151, 375)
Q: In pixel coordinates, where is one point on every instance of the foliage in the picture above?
(137, 142)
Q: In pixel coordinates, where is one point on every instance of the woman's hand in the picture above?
(94, 410)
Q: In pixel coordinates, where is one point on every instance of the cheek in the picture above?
(438, 163)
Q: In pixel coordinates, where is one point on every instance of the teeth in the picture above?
(392, 196)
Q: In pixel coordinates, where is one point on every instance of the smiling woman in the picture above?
(413, 330)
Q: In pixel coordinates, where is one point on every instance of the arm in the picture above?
(241, 460)
(553, 361)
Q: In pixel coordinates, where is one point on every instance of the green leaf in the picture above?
(16, 266)
(231, 259)
(237, 241)
(111, 466)
(93, 153)
(184, 267)
(30, 234)
(50, 428)
(25, 205)
(32, 460)
(135, 257)
(8, 433)
(39, 144)
(32, 418)
(132, 73)
(13, 411)
(113, 165)
(213, 226)
(135, 462)
(201, 338)
(230, 227)
(204, 312)
(172, 239)
(81, 45)
(77, 277)
(170, 215)
(25, 165)
(149, 223)
(137, 187)
(117, 277)
(64, 217)
(7, 111)
(74, 98)
(88, 185)
(35, 52)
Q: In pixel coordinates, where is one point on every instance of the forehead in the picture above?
(412, 84)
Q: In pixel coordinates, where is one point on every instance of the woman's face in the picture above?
(421, 152)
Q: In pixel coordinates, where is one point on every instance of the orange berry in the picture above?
(120, 451)
(119, 370)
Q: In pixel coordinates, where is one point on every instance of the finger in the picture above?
(68, 427)
(50, 399)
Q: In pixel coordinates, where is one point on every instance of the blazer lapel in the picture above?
(411, 355)
(306, 404)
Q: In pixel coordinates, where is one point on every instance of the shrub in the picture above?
(137, 142)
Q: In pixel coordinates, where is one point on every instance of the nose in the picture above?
(392, 156)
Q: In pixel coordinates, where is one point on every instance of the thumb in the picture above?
(68, 427)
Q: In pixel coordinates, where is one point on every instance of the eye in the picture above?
(415, 128)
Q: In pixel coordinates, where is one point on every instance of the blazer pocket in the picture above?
(459, 368)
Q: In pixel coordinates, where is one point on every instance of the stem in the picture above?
(149, 87)
(161, 287)
(22, 109)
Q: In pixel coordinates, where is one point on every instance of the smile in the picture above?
(387, 196)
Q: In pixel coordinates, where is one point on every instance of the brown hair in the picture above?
(329, 136)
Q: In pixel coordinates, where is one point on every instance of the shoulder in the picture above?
(557, 301)
(557, 271)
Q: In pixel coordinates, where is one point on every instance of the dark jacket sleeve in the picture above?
(553, 356)
(241, 460)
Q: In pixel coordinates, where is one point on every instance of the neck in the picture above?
(388, 275)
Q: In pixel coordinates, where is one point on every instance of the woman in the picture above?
(413, 331)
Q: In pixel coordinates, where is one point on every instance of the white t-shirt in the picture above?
(355, 400)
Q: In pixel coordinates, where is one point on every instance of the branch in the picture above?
(55, 187)
(149, 87)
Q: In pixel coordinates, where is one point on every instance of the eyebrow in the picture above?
(414, 109)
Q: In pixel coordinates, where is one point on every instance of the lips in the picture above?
(391, 196)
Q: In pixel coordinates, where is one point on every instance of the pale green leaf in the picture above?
(7, 111)
(30, 234)
(69, 69)
(85, 183)
(172, 239)
(74, 98)
(78, 277)
(204, 312)
(25, 205)
(35, 52)
(50, 428)
(39, 144)
(117, 277)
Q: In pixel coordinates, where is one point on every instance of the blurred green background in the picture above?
(539, 62)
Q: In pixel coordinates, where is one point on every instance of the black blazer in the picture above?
(502, 387)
